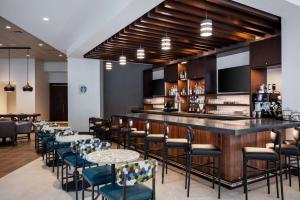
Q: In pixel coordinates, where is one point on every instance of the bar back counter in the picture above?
(229, 134)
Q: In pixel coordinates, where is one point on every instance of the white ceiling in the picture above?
(296, 2)
(75, 26)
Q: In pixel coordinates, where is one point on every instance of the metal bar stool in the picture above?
(154, 139)
(173, 143)
(133, 134)
(268, 155)
(203, 150)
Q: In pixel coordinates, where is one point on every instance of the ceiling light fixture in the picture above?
(108, 65)
(46, 19)
(1, 44)
(122, 59)
(165, 42)
(183, 62)
(60, 55)
(41, 44)
(206, 27)
(8, 27)
(140, 53)
(9, 87)
(27, 87)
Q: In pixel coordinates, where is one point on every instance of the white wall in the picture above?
(41, 91)
(3, 98)
(82, 106)
(57, 77)
(25, 101)
(290, 47)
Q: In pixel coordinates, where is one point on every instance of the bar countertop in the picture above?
(223, 126)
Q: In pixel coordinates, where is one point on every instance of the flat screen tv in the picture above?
(158, 87)
(234, 80)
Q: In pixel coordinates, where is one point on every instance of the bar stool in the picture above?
(136, 134)
(173, 143)
(268, 155)
(203, 150)
(154, 139)
(291, 149)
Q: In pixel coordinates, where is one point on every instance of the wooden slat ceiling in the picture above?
(17, 37)
(233, 24)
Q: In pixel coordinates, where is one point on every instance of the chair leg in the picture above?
(189, 174)
(76, 183)
(219, 176)
(298, 168)
(167, 159)
(186, 169)
(57, 169)
(268, 177)
(245, 178)
(62, 173)
(146, 150)
(93, 192)
(213, 171)
(281, 182)
(82, 188)
(286, 166)
(289, 170)
(67, 178)
(276, 177)
(163, 166)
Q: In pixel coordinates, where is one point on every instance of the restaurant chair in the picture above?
(95, 176)
(153, 139)
(129, 184)
(8, 129)
(173, 143)
(291, 150)
(268, 155)
(115, 125)
(24, 128)
(134, 135)
(203, 150)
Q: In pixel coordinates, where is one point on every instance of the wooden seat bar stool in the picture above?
(173, 143)
(203, 150)
(268, 155)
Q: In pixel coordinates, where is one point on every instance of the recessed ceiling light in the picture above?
(28, 55)
(8, 27)
(60, 55)
(46, 19)
(41, 44)
(1, 44)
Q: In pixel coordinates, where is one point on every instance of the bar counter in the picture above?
(230, 135)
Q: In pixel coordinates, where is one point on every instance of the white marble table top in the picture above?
(72, 138)
(113, 156)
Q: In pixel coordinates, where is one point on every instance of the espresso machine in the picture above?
(267, 102)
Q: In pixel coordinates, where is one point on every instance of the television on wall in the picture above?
(234, 80)
(158, 87)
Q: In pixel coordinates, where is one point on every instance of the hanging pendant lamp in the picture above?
(27, 87)
(166, 42)
(140, 53)
(9, 87)
(122, 59)
(108, 65)
(206, 27)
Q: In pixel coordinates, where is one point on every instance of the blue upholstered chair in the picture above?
(95, 176)
(129, 184)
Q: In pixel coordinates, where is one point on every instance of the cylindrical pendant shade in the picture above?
(166, 43)
(206, 28)
(122, 60)
(140, 53)
(108, 66)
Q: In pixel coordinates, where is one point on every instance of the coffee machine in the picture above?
(267, 102)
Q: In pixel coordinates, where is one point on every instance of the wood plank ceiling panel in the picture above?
(233, 24)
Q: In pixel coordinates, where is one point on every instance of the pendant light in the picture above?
(165, 42)
(140, 53)
(27, 87)
(108, 65)
(206, 27)
(122, 59)
(9, 87)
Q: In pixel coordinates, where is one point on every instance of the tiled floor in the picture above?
(36, 181)
(12, 157)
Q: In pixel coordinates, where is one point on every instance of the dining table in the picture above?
(113, 157)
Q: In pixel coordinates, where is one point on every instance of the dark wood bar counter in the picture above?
(229, 135)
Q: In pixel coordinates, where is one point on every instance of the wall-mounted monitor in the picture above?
(158, 87)
(234, 80)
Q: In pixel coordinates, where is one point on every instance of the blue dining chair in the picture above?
(129, 184)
